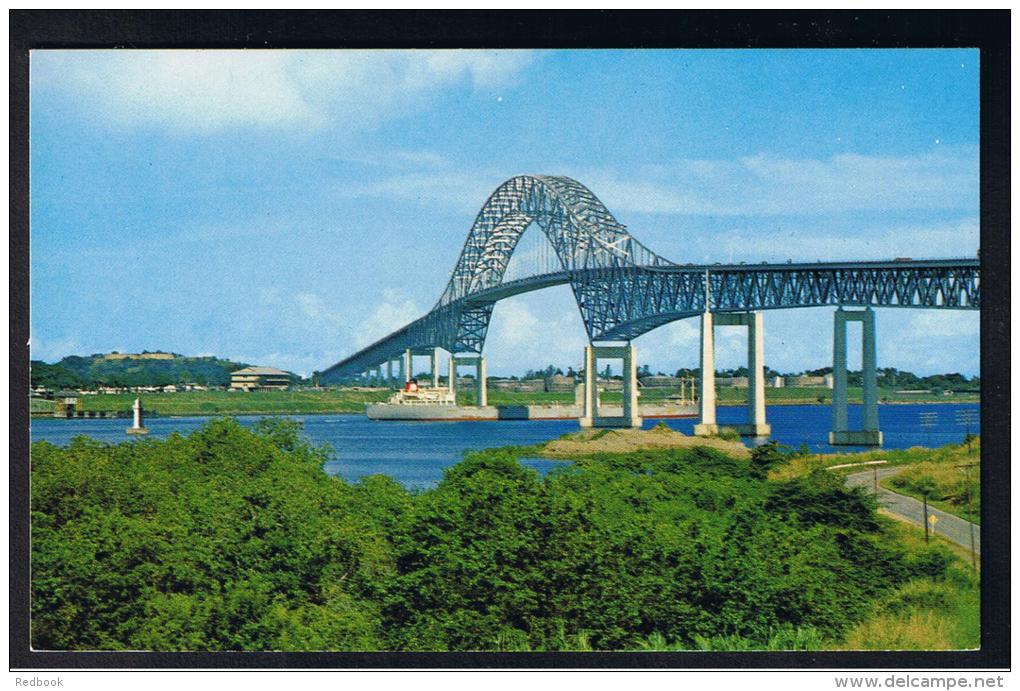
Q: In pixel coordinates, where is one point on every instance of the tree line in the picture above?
(93, 371)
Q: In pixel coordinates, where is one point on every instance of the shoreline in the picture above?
(271, 413)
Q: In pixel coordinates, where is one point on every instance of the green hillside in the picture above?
(144, 369)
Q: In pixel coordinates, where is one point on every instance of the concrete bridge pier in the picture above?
(706, 384)
(591, 415)
(841, 434)
(481, 386)
(435, 368)
(756, 426)
(408, 364)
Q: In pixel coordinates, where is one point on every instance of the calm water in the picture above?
(415, 453)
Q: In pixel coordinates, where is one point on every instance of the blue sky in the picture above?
(288, 207)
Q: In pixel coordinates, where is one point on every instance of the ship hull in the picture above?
(452, 413)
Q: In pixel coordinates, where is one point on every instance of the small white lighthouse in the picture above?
(138, 427)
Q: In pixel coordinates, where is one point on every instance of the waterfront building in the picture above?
(559, 382)
(259, 379)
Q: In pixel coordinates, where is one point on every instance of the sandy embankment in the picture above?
(626, 440)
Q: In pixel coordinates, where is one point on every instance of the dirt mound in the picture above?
(626, 440)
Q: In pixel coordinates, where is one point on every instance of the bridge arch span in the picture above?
(583, 233)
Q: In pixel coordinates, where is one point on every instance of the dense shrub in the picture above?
(235, 539)
(227, 539)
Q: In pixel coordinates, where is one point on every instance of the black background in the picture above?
(986, 30)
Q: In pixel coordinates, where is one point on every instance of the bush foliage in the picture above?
(234, 539)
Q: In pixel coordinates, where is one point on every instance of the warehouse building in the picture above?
(259, 379)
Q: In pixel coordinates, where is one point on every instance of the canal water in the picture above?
(415, 453)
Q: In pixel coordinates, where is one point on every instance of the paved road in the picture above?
(949, 526)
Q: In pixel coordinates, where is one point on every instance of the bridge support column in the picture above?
(480, 380)
(481, 386)
(408, 365)
(706, 400)
(756, 426)
(591, 413)
(756, 375)
(390, 382)
(841, 434)
(588, 392)
(435, 368)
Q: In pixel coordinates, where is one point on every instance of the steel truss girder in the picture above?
(623, 289)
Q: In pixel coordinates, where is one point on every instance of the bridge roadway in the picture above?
(728, 275)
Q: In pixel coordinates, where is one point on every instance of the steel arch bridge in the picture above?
(623, 289)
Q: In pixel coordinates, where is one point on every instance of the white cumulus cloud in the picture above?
(394, 311)
(766, 184)
(206, 91)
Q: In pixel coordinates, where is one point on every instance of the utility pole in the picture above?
(925, 496)
(970, 510)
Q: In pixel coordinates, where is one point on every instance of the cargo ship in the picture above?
(416, 403)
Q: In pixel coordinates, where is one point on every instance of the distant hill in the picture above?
(132, 369)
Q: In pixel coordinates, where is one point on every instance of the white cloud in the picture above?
(534, 330)
(192, 90)
(52, 350)
(760, 186)
(945, 324)
(769, 185)
(393, 312)
(485, 68)
(799, 243)
(204, 91)
(314, 307)
(464, 191)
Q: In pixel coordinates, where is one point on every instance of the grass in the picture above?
(948, 455)
(946, 486)
(925, 613)
(41, 405)
(930, 470)
(238, 403)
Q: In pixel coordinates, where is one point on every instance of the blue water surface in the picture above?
(415, 453)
